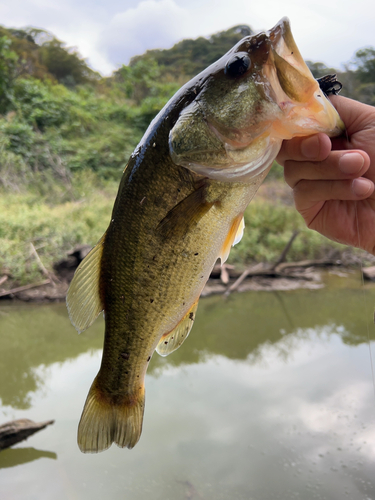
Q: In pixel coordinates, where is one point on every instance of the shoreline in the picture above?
(223, 280)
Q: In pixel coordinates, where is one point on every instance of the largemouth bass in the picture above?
(179, 207)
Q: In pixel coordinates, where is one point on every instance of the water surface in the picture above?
(271, 397)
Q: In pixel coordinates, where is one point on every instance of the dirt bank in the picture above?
(228, 279)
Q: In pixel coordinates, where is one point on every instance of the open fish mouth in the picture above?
(260, 93)
(296, 90)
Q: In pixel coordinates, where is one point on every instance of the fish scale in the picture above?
(179, 208)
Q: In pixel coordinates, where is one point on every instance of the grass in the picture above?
(79, 211)
(53, 229)
(269, 225)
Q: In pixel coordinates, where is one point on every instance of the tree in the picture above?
(319, 69)
(364, 61)
(65, 64)
(8, 60)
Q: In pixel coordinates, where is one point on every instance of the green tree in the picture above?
(8, 60)
(65, 64)
(140, 79)
(319, 69)
(189, 57)
(364, 62)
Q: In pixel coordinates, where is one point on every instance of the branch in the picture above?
(41, 266)
(286, 250)
(22, 288)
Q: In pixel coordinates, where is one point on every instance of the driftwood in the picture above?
(280, 268)
(250, 271)
(18, 430)
(4, 293)
(307, 263)
(290, 270)
(270, 271)
(286, 249)
(369, 273)
(46, 273)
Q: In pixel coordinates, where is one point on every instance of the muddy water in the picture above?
(271, 397)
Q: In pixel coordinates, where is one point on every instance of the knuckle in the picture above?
(301, 188)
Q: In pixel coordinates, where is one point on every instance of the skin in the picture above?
(333, 179)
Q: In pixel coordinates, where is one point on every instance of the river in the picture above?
(270, 397)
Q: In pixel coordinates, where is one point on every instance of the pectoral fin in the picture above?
(83, 298)
(234, 236)
(172, 340)
(185, 214)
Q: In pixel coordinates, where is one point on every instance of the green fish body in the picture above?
(179, 207)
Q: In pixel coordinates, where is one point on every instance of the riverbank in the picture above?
(43, 239)
(224, 280)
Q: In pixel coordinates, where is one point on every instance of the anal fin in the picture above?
(83, 298)
(174, 339)
(234, 236)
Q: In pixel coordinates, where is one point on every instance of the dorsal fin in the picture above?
(83, 298)
(172, 340)
(233, 237)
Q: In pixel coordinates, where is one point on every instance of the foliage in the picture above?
(319, 69)
(190, 57)
(39, 54)
(26, 218)
(268, 228)
(7, 70)
(66, 135)
(364, 61)
(143, 83)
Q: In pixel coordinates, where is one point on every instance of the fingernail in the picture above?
(351, 163)
(361, 186)
(310, 147)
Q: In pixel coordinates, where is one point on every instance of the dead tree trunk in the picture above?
(18, 430)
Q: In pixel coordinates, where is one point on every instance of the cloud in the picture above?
(149, 25)
(110, 32)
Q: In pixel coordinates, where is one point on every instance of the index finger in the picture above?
(313, 148)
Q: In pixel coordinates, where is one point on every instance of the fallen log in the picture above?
(253, 270)
(4, 293)
(307, 263)
(17, 430)
(287, 247)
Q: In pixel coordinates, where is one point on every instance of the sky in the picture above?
(109, 32)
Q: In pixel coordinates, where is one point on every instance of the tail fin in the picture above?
(104, 422)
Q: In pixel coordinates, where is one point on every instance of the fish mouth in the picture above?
(305, 107)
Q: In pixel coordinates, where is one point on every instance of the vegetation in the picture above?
(66, 134)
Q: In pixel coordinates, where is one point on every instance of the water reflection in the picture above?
(270, 397)
(18, 456)
(234, 328)
(31, 337)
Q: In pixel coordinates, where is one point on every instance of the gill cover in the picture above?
(260, 93)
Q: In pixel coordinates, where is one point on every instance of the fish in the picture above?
(179, 208)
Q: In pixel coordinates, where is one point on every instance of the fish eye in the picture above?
(237, 65)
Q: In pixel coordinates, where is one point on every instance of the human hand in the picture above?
(333, 179)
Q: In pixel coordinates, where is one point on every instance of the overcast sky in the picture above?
(109, 32)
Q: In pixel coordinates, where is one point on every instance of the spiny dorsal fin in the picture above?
(233, 237)
(172, 340)
(83, 298)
